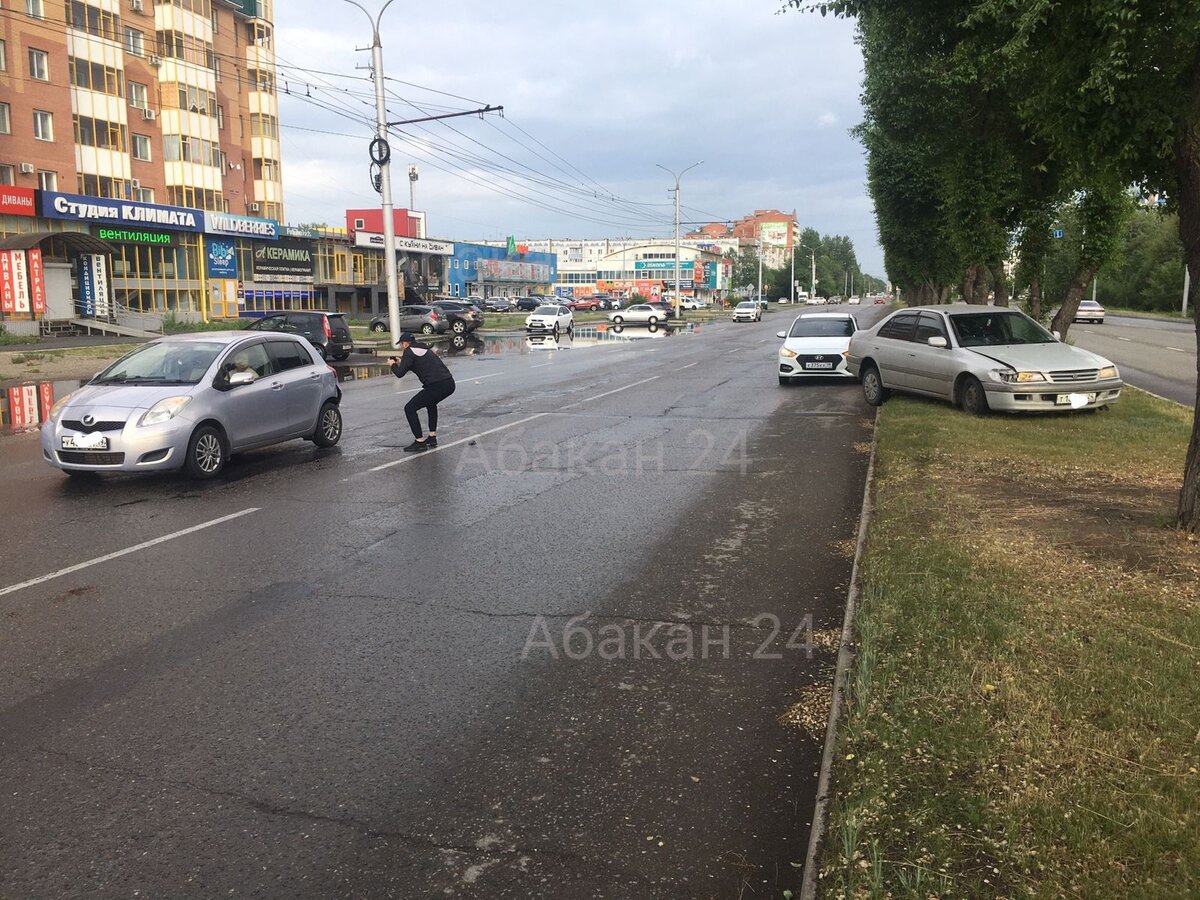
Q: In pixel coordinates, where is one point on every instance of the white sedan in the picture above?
(816, 344)
(554, 319)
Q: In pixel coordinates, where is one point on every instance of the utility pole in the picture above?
(758, 244)
(677, 249)
(381, 155)
(412, 187)
(1187, 286)
(792, 280)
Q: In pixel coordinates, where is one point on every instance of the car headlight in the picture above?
(58, 407)
(788, 354)
(164, 410)
(1109, 372)
(1008, 376)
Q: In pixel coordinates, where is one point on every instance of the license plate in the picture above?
(1074, 400)
(818, 365)
(84, 442)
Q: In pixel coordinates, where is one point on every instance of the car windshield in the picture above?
(749, 304)
(546, 311)
(994, 329)
(812, 327)
(164, 362)
(268, 323)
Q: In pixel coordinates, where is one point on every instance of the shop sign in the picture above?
(136, 236)
(22, 406)
(286, 261)
(37, 280)
(78, 208)
(405, 244)
(93, 284)
(242, 226)
(222, 259)
(17, 201)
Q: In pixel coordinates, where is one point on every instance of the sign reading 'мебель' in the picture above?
(119, 212)
(242, 226)
(289, 262)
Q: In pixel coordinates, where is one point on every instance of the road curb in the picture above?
(1157, 396)
(808, 887)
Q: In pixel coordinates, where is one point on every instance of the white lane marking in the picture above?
(1126, 340)
(607, 393)
(1177, 350)
(541, 365)
(134, 549)
(734, 350)
(398, 393)
(688, 366)
(404, 459)
(652, 349)
(481, 377)
(763, 341)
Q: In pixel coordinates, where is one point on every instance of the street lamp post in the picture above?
(813, 255)
(677, 273)
(758, 246)
(381, 154)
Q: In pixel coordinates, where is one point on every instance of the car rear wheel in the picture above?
(329, 425)
(653, 320)
(206, 453)
(378, 327)
(426, 328)
(556, 328)
(324, 353)
(617, 320)
(872, 384)
(972, 397)
(459, 327)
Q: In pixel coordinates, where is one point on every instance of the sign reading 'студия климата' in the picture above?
(79, 208)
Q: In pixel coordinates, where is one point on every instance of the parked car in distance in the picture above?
(816, 344)
(328, 332)
(190, 400)
(463, 317)
(747, 311)
(526, 304)
(1090, 311)
(607, 302)
(690, 303)
(589, 304)
(417, 319)
(498, 304)
(551, 317)
(981, 358)
(854, 300)
(640, 313)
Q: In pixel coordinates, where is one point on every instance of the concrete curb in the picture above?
(808, 887)
(1157, 396)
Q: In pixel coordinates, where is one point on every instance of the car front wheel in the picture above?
(459, 327)
(872, 384)
(426, 328)
(972, 397)
(617, 320)
(206, 453)
(653, 320)
(329, 425)
(378, 327)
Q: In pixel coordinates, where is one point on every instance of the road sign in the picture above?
(1058, 233)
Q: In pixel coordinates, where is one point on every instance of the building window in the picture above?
(7, 175)
(96, 77)
(5, 121)
(39, 65)
(35, 8)
(144, 195)
(43, 125)
(48, 181)
(100, 133)
(138, 96)
(135, 42)
(3, 56)
(221, 117)
(141, 147)
(100, 22)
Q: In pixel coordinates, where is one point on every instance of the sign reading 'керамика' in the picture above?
(79, 208)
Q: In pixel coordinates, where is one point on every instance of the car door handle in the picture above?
(277, 385)
(315, 376)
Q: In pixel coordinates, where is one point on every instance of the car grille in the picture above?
(1074, 376)
(86, 458)
(803, 360)
(76, 425)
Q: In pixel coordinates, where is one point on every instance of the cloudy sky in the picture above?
(595, 96)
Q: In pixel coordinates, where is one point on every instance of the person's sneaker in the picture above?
(431, 441)
(415, 447)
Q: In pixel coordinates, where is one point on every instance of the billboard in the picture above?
(222, 259)
(93, 284)
(773, 234)
(285, 261)
(37, 281)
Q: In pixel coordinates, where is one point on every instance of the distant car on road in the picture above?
(640, 313)
(190, 400)
(747, 311)
(463, 317)
(816, 344)
(979, 358)
(417, 319)
(854, 300)
(527, 304)
(551, 317)
(328, 332)
(1090, 311)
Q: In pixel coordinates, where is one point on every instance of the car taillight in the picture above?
(433, 316)
(328, 330)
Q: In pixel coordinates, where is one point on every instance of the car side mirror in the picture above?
(781, 334)
(938, 341)
(236, 378)
(1056, 335)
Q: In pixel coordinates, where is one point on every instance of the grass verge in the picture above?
(1023, 712)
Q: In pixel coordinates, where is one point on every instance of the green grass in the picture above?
(15, 340)
(171, 325)
(1150, 314)
(1024, 710)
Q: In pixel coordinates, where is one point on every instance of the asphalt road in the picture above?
(1157, 355)
(354, 678)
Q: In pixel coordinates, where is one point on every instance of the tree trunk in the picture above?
(1035, 298)
(1066, 313)
(1000, 284)
(1187, 172)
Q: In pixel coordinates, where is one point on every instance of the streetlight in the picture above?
(812, 253)
(677, 177)
(381, 154)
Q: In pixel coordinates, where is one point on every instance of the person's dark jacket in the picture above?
(423, 362)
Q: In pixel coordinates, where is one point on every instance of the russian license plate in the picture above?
(818, 365)
(1075, 401)
(84, 442)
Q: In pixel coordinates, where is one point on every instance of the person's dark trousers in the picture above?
(427, 398)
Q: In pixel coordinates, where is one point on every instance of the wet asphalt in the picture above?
(561, 656)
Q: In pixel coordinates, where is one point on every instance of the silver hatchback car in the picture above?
(189, 401)
(981, 358)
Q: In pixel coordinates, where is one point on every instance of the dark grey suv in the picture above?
(464, 317)
(417, 319)
(328, 332)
